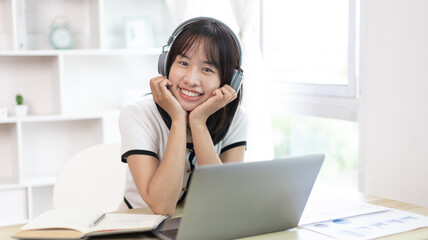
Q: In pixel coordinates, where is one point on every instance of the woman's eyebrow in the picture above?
(211, 63)
(183, 56)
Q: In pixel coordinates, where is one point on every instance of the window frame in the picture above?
(326, 90)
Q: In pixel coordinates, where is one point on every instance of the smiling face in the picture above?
(194, 77)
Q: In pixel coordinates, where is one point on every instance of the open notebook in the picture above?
(78, 224)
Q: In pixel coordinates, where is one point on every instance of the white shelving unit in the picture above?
(74, 96)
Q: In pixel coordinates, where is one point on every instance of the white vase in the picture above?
(21, 110)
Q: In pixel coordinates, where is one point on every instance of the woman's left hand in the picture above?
(219, 99)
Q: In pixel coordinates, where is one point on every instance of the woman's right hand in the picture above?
(163, 96)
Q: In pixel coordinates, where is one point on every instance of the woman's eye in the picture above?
(207, 70)
(183, 63)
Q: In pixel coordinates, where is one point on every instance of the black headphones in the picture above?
(163, 57)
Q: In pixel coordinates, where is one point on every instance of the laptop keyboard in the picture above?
(171, 233)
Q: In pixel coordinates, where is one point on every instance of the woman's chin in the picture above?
(188, 107)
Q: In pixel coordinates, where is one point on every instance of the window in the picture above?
(337, 139)
(309, 46)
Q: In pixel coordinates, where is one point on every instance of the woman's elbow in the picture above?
(162, 209)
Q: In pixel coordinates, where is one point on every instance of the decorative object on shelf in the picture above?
(20, 109)
(138, 32)
(21, 23)
(61, 36)
(3, 112)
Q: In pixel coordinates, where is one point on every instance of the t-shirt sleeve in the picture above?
(136, 131)
(238, 130)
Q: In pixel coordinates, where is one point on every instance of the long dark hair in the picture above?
(221, 49)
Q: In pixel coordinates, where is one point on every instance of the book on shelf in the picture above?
(82, 223)
(21, 25)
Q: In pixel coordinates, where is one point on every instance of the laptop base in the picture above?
(168, 229)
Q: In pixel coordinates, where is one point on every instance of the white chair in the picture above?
(93, 178)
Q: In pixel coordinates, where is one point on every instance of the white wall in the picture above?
(393, 113)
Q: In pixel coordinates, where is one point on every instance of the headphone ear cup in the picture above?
(236, 81)
(162, 63)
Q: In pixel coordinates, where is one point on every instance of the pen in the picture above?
(94, 223)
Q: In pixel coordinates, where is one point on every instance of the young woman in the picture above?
(194, 118)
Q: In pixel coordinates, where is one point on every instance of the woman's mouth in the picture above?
(190, 93)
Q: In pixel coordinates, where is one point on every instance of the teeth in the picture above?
(191, 94)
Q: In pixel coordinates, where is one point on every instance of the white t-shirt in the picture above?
(143, 131)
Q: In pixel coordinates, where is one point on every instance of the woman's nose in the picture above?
(192, 77)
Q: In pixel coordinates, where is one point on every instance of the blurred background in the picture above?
(341, 77)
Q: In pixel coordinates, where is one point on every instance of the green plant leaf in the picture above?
(19, 99)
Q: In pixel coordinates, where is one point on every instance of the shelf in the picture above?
(96, 24)
(41, 181)
(14, 186)
(6, 41)
(29, 53)
(9, 170)
(74, 96)
(81, 15)
(36, 78)
(53, 118)
(41, 200)
(115, 52)
(35, 182)
(48, 145)
(153, 27)
(14, 206)
(85, 52)
(103, 83)
(111, 133)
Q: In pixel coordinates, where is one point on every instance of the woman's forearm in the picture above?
(165, 185)
(203, 145)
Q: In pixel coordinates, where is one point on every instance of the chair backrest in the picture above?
(93, 178)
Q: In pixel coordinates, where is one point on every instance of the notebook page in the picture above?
(113, 222)
(77, 219)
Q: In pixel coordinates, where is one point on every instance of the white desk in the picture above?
(296, 233)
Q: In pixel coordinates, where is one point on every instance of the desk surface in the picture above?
(295, 233)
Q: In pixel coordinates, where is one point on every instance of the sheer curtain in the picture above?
(243, 17)
(260, 141)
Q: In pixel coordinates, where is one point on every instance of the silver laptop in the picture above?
(244, 199)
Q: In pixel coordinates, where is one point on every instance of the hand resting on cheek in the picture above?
(219, 99)
(163, 96)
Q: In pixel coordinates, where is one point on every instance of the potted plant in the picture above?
(20, 109)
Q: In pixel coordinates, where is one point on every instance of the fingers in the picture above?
(164, 87)
(219, 99)
(159, 85)
(230, 91)
(225, 94)
(154, 82)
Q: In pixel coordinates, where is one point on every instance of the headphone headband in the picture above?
(237, 76)
(189, 21)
